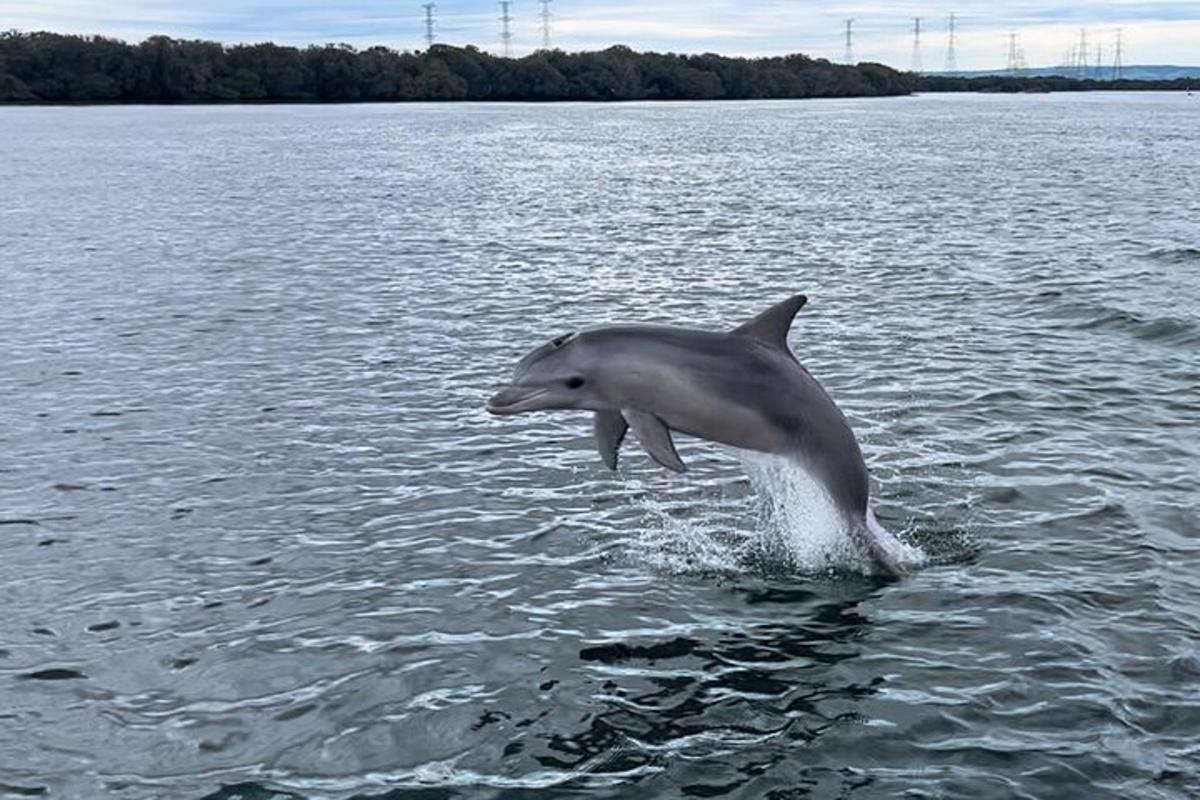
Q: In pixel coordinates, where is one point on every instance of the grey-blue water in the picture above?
(261, 539)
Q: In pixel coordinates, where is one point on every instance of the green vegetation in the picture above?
(1042, 83)
(53, 68)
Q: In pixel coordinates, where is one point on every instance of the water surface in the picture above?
(259, 536)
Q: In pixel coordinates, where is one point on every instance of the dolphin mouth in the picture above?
(513, 401)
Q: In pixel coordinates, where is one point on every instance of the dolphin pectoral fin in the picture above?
(771, 327)
(655, 438)
(610, 429)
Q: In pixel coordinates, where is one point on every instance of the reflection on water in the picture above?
(666, 706)
(259, 539)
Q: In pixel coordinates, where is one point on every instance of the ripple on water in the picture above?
(1176, 255)
(258, 533)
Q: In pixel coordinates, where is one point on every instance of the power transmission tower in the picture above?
(916, 56)
(1082, 53)
(429, 7)
(1016, 59)
(1117, 66)
(951, 52)
(1099, 61)
(849, 42)
(505, 19)
(544, 16)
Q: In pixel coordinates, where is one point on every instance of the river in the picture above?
(259, 538)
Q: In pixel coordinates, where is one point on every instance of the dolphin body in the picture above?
(743, 388)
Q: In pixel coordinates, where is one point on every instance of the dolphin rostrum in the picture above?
(743, 388)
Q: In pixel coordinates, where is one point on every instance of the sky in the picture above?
(1153, 32)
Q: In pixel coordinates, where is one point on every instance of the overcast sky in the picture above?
(1155, 32)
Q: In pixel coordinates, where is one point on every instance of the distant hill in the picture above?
(1136, 72)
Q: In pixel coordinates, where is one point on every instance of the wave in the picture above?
(1167, 330)
(1176, 255)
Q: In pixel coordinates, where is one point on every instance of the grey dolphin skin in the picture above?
(743, 388)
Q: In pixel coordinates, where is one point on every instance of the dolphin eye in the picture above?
(573, 382)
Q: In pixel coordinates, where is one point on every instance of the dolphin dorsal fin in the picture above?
(771, 326)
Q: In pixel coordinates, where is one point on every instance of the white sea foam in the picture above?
(787, 523)
(797, 522)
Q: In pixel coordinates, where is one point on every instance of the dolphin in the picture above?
(742, 388)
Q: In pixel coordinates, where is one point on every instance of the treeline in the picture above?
(1042, 83)
(55, 68)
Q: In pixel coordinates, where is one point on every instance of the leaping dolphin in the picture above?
(743, 388)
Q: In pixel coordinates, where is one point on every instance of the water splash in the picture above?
(788, 524)
(681, 536)
(800, 527)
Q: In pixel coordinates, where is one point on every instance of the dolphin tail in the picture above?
(890, 555)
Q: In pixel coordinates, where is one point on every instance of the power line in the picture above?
(505, 19)
(916, 54)
(544, 16)
(429, 7)
(951, 50)
(849, 59)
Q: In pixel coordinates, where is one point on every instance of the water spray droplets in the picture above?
(779, 523)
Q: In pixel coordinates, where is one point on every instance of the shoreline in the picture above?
(545, 102)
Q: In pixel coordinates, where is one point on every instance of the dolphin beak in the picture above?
(514, 400)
